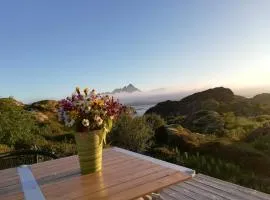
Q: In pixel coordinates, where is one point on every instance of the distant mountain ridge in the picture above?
(127, 89)
(218, 99)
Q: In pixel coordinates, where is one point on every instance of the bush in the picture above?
(154, 121)
(263, 118)
(4, 148)
(214, 166)
(50, 128)
(17, 126)
(176, 120)
(207, 122)
(131, 133)
(263, 144)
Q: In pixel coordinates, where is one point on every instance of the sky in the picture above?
(47, 48)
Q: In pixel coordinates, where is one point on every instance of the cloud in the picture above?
(151, 97)
(159, 95)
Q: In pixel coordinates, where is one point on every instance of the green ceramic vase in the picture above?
(89, 147)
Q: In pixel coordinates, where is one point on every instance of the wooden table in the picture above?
(125, 175)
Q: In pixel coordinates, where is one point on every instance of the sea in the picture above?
(141, 109)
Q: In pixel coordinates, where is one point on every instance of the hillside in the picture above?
(219, 99)
(218, 133)
(263, 99)
(35, 125)
(214, 132)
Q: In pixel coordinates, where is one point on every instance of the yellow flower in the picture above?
(73, 114)
(86, 91)
(99, 102)
(78, 90)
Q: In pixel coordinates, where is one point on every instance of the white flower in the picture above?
(85, 122)
(79, 103)
(71, 123)
(98, 120)
(60, 115)
(93, 93)
(87, 109)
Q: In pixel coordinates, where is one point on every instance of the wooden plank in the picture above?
(7, 174)
(236, 193)
(73, 171)
(64, 177)
(13, 196)
(157, 161)
(125, 175)
(236, 188)
(57, 174)
(197, 190)
(113, 190)
(205, 187)
(73, 164)
(67, 160)
(169, 194)
(165, 196)
(148, 187)
(10, 189)
(9, 183)
(189, 193)
(97, 182)
(220, 192)
(5, 182)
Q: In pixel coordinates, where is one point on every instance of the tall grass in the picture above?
(215, 167)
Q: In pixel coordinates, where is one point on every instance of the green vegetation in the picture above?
(215, 167)
(17, 125)
(214, 132)
(132, 133)
(22, 128)
(220, 134)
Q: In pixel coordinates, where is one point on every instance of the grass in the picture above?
(215, 167)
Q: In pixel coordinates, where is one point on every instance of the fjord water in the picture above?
(141, 109)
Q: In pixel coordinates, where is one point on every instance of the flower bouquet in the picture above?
(92, 117)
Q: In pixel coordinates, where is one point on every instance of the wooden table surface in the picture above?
(125, 175)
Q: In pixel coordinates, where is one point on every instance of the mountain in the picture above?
(263, 99)
(10, 102)
(220, 100)
(127, 89)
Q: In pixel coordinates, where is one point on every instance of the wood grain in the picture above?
(123, 177)
(202, 187)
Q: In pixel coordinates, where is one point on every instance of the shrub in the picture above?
(263, 118)
(50, 128)
(214, 166)
(207, 122)
(176, 120)
(154, 121)
(131, 133)
(262, 143)
(4, 148)
(17, 126)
